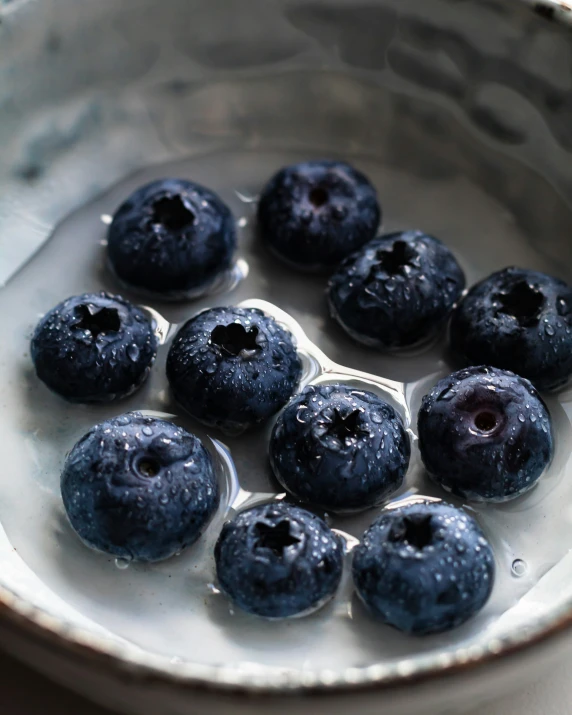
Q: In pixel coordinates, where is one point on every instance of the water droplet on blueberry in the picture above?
(133, 352)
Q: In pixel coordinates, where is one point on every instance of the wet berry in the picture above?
(397, 291)
(94, 348)
(485, 434)
(139, 488)
(277, 560)
(519, 320)
(171, 238)
(339, 448)
(424, 567)
(315, 213)
(233, 367)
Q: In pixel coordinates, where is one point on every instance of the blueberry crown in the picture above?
(522, 301)
(97, 321)
(172, 213)
(415, 530)
(276, 538)
(345, 427)
(235, 339)
(395, 259)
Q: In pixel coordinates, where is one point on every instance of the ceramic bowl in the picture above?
(460, 112)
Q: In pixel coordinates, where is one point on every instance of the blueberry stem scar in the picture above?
(485, 421)
(172, 213)
(318, 196)
(148, 467)
(343, 427)
(394, 259)
(234, 338)
(276, 538)
(105, 320)
(523, 302)
(415, 530)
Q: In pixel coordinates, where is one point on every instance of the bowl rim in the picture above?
(120, 659)
(128, 659)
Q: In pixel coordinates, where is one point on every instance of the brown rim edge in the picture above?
(44, 630)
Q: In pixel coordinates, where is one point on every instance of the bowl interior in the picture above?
(457, 114)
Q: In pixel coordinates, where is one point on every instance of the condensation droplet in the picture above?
(133, 352)
(122, 564)
(518, 568)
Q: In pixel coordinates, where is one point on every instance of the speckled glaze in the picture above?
(461, 92)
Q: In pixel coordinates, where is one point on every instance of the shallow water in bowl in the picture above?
(171, 608)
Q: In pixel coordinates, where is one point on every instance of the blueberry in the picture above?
(277, 560)
(424, 567)
(519, 320)
(397, 291)
(171, 238)
(339, 448)
(233, 367)
(139, 488)
(94, 347)
(485, 434)
(315, 213)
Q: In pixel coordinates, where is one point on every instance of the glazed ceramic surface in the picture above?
(460, 113)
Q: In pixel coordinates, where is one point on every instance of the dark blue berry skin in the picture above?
(315, 213)
(139, 488)
(233, 367)
(397, 291)
(339, 448)
(424, 567)
(519, 320)
(94, 348)
(277, 560)
(485, 434)
(171, 238)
